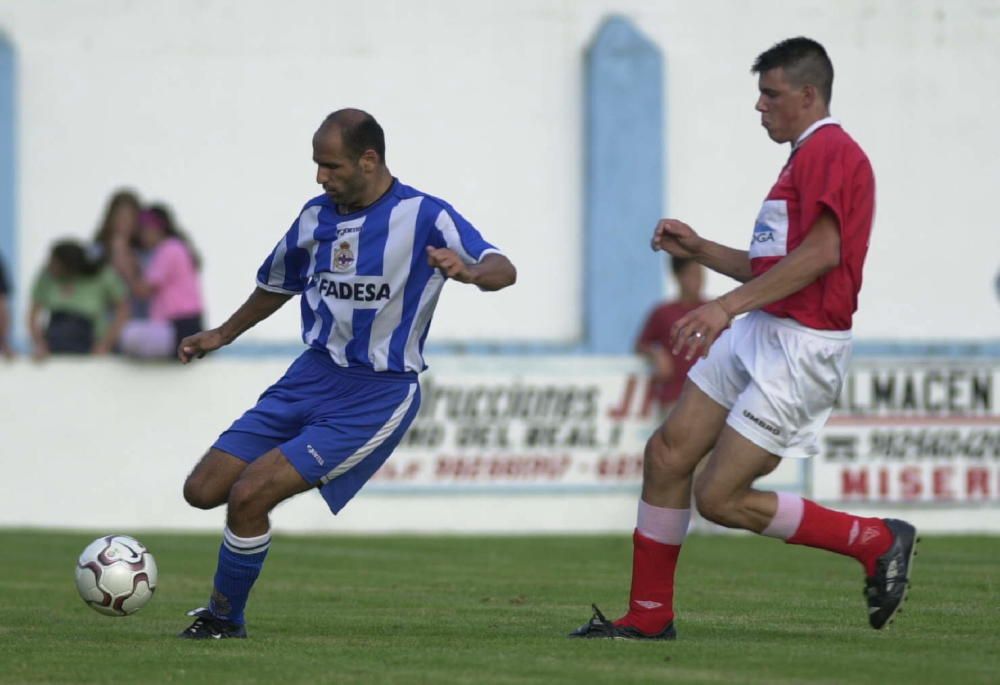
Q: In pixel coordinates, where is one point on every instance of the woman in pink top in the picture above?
(171, 284)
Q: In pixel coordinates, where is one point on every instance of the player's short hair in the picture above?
(678, 264)
(359, 132)
(805, 63)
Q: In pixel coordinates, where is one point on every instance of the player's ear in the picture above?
(809, 96)
(368, 161)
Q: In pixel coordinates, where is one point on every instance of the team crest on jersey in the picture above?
(343, 258)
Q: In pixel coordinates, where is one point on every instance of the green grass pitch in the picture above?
(496, 610)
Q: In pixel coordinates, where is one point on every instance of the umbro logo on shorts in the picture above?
(762, 423)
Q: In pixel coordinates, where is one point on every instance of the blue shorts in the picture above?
(335, 425)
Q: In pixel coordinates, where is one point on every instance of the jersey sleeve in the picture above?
(286, 269)
(819, 179)
(453, 231)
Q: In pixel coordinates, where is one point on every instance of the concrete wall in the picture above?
(210, 105)
(105, 444)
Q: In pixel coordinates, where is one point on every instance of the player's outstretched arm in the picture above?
(680, 240)
(494, 272)
(260, 305)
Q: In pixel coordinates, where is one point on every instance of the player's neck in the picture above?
(809, 121)
(379, 187)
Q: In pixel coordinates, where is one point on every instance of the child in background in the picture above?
(69, 305)
(116, 243)
(170, 283)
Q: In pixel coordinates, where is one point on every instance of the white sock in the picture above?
(666, 526)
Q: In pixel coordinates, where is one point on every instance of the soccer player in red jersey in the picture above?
(767, 381)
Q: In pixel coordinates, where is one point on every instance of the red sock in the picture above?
(651, 601)
(865, 539)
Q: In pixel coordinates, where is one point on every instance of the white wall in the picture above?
(210, 105)
(106, 444)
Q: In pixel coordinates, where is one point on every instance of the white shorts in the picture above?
(778, 379)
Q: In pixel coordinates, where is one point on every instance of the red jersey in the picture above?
(827, 170)
(657, 331)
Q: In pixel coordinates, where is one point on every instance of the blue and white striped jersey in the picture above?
(368, 293)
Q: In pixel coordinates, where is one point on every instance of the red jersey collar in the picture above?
(827, 121)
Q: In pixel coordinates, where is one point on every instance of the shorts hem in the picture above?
(241, 452)
(789, 322)
(704, 385)
(753, 433)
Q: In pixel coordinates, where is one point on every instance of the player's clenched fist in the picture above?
(675, 237)
(450, 264)
(199, 344)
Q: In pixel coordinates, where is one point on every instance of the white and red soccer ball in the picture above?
(116, 575)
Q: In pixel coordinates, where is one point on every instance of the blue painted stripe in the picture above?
(985, 349)
(8, 184)
(624, 184)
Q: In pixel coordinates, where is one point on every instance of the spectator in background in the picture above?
(171, 285)
(117, 243)
(121, 218)
(5, 349)
(669, 370)
(69, 305)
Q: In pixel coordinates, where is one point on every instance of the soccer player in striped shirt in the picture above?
(368, 259)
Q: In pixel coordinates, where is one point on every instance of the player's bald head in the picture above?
(358, 132)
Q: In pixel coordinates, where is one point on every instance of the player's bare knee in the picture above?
(715, 510)
(198, 495)
(714, 505)
(240, 497)
(662, 459)
(245, 501)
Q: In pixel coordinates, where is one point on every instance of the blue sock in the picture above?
(240, 562)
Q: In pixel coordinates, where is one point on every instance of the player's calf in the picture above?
(746, 509)
(247, 507)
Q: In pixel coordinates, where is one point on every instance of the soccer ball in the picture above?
(116, 575)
